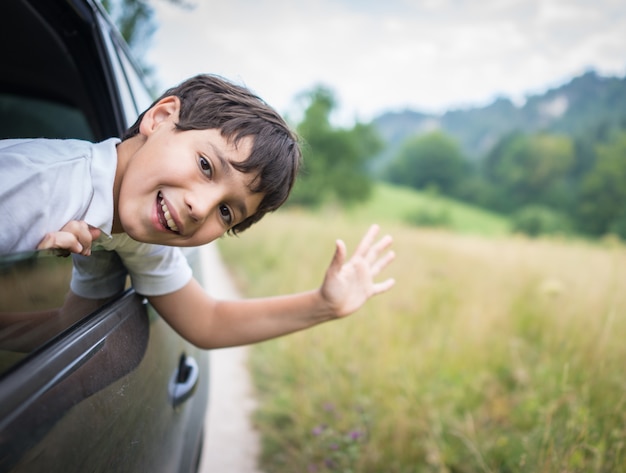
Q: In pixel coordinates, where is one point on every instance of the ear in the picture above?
(164, 111)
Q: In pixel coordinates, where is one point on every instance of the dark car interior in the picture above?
(43, 93)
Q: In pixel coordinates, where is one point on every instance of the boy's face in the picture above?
(179, 188)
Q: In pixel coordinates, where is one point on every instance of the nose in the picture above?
(200, 201)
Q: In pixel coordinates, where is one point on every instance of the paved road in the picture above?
(231, 445)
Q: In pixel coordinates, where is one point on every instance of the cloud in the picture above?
(429, 55)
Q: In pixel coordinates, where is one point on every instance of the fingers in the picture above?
(375, 251)
(63, 241)
(383, 286)
(371, 251)
(368, 251)
(349, 284)
(366, 241)
(75, 236)
(381, 263)
(84, 233)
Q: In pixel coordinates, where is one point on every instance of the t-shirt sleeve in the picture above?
(98, 276)
(154, 270)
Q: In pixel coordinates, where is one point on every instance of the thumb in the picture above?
(339, 257)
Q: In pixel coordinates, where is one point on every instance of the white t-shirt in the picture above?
(44, 184)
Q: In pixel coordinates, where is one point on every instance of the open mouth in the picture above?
(165, 217)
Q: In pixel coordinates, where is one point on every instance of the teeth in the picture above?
(172, 225)
(168, 217)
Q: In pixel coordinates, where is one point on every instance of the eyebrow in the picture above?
(227, 167)
(225, 163)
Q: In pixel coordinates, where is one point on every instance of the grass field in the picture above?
(492, 353)
(391, 204)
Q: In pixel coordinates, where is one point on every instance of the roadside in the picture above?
(231, 445)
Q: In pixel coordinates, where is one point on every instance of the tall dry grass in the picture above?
(489, 355)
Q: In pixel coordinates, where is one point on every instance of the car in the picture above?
(83, 387)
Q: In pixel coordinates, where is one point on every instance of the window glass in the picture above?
(143, 99)
(36, 303)
(128, 103)
(31, 117)
(135, 95)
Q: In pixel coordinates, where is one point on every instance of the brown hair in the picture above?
(211, 102)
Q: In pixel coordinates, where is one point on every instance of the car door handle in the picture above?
(184, 380)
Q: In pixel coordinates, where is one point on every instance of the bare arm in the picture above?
(211, 323)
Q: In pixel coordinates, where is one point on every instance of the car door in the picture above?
(114, 391)
(84, 386)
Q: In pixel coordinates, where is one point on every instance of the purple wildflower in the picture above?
(318, 430)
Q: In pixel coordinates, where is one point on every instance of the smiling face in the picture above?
(178, 188)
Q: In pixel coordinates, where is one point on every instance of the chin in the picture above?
(135, 234)
(136, 231)
(137, 237)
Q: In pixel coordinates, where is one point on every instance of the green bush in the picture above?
(429, 217)
(618, 225)
(536, 220)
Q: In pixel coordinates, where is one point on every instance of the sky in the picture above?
(389, 55)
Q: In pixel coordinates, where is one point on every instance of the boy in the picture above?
(206, 158)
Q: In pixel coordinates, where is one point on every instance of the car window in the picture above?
(25, 116)
(36, 303)
(142, 98)
(65, 80)
(52, 85)
(133, 93)
(129, 107)
(52, 80)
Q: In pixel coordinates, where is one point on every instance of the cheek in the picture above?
(207, 233)
(131, 210)
(126, 221)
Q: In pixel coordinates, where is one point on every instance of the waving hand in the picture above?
(349, 284)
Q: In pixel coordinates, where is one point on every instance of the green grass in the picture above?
(491, 354)
(397, 204)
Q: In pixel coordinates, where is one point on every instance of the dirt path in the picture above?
(231, 445)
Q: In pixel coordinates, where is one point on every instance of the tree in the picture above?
(602, 206)
(535, 220)
(335, 159)
(531, 169)
(433, 160)
(134, 20)
(136, 23)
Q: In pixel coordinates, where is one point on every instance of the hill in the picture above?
(395, 205)
(588, 103)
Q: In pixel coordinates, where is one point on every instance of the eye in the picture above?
(226, 214)
(205, 166)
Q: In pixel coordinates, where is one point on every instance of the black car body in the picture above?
(110, 388)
